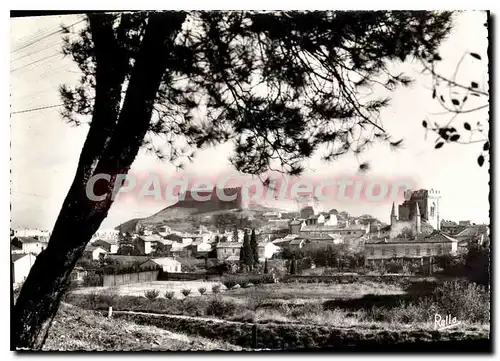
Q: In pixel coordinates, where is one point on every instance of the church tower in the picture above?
(433, 197)
(394, 218)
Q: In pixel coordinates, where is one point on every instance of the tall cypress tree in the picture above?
(246, 254)
(254, 247)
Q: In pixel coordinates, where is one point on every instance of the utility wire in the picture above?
(34, 62)
(60, 31)
(36, 109)
(58, 42)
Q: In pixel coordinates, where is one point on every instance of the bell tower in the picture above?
(394, 217)
(433, 199)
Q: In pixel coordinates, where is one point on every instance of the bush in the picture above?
(464, 300)
(229, 283)
(91, 300)
(192, 307)
(92, 279)
(106, 299)
(169, 294)
(186, 292)
(202, 290)
(254, 301)
(220, 308)
(309, 308)
(215, 289)
(151, 294)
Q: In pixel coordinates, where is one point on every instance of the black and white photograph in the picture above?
(250, 180)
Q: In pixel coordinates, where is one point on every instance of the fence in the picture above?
(170, 276)
(127, 278)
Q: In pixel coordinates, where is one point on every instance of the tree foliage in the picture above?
(279, 85)
(254, 247)
(458, 97)
(246, 254)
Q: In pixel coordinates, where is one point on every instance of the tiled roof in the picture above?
(435, 237)
(165, 261)
(230, 245)
(27, 240)
(473, 231)
(296, 241)
(93, 248)
(17, 256)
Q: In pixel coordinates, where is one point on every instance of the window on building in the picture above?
(407, 251)
(440, 250)
(418, 251)
(383, 251)
(234, 250)
(428, 251)
(433, 207)
(372, 251)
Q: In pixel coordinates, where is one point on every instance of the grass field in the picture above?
(76, 329)
(359, 306)
(138, 289)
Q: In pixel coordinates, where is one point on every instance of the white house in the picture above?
(106, 234)
(28, 244)
(94, 253)
(21, 265)
(267, 250)
(204, 247)
(168, 264)
(33, 233)
(110, 245)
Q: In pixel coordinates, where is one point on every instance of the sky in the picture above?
(45, 149)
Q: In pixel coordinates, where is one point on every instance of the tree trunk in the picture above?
(79, 217)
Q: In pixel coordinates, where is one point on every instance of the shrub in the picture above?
(169, 294)
(192, 307)
(91, 300)
(151, 294)
(106, 299)
(309, 308)
(245, 316)
(129, 302)
(202, 290)
(215, 289)
(220, 308)
(254, 301)
(186, 292)
(92, 279)
(229, 283)
(464, 300)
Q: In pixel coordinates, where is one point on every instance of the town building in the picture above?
(21, 265)
(28, 244)
(40, 234)
(428, 203)
(167, 264)
(379, 251)
(412, 239)
(230, 251)
(110, 245)
(94, 253)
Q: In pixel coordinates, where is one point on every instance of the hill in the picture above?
(189, 213)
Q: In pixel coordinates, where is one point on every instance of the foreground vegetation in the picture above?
(365, 305)
(76, 329)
